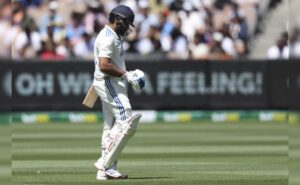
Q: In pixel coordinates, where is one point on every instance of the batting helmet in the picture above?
(125, 12)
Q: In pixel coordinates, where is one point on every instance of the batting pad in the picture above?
(119, 140)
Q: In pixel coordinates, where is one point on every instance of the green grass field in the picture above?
(5, 154)
(294, 154)
(159, 154)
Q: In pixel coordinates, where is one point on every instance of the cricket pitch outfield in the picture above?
(198, 153)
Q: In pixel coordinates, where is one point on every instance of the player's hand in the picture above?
(136, 79)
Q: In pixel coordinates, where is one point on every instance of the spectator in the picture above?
(295, 44)
(238, 28)
(219, 4)
(28, 43)
(280, 50)
(26, 3)
(176, 5)
(227, 42)
(54, 20)
(26, 40)
(199, 48)
(274, 3)
(75, 29)
(47, 52)
(238, 24)
(216, 50)
(5, 29)
(95, 18)
(158, 6)
(49, 47)
(145, 19)
(179, 47)
(131, 42)
(154, 36)
(65, 48)
(166, 28)
(172, 28)
(84, 47)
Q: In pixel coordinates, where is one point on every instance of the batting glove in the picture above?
(136, 79)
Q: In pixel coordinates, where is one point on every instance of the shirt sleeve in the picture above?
(105, 47)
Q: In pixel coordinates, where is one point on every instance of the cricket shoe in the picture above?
(114, 174)
(101, 175)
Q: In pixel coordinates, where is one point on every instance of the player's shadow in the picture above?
(150, 177)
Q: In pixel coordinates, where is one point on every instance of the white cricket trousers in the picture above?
(115, 104)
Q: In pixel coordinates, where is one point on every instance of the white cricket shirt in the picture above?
(108, 44)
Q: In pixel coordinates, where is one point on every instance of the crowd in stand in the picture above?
(286, 47)
(175, 29)
(294, 44)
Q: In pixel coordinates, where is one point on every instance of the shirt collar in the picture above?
(114, 33)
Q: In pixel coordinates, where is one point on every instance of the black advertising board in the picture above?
(184, 85)
(294, 85)
(5, 87)
(50, 85)
(169, 85)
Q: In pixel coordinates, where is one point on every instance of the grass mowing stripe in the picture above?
(142, 156)
(160, 149)
(294, 155)
(5, 154)
(159, 154)
(50, 165)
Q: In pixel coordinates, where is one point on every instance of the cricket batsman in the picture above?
(110, 84)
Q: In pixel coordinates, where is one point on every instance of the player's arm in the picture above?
(135, 78)
(104, 53)
(107, 67)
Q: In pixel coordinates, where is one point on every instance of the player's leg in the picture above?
(125, 124)
(109, 106)
(122, 133)
(109, 120)
(108, 124)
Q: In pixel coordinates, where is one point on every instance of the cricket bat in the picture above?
(91, 98)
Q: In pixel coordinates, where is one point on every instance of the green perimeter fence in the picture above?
(150, 116)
